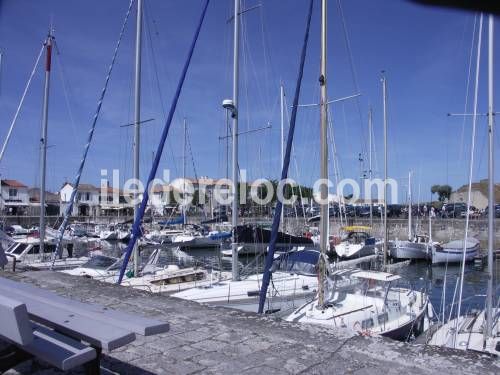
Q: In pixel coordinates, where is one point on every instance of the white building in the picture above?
(479, 194)
(87, 199)
(14, 198)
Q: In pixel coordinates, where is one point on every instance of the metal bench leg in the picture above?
(11, 357)
(94, 367)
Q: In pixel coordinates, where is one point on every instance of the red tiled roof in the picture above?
(13, 183)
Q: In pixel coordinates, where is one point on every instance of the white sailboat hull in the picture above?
(286, 292)
(410, 250)
(452, 252)
(469, 334)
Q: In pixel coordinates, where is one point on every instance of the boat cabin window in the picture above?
(99, 262)
(367, 324)
(383, 318)
(20, 248)
(357, 237)
(421, 239)
(34, 250)
(371, 287)
(47, 249)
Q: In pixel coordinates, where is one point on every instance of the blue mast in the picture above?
(284, 172)
(136, 229)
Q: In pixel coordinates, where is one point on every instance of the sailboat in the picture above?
(254, 239)
(358, 242)
(478, 331)
(417, 246)
(36, 250)
(294, 272)
(367, 302)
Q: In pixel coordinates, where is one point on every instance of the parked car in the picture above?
(453, 210)
(497, 211)
(473, 212)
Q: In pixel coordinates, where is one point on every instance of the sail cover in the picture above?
(302, 262)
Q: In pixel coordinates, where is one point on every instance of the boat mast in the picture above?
(282, 138)
(410, 210)
(370, 125)
(234, 216)
(384, 93)
(471, 170)
(43, 139)
(137, 110)
(324, 221)
(491, 192)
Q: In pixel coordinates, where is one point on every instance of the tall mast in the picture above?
(324, 221)
(491, 179)
(384, 93)
(234, 216)
(137, 110)
(184, 173)
(43, 138)
(282, 137)
(409, 205)
(370, 125)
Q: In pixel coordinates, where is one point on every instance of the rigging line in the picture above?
(69, 207)
(337, 166)
(374, 148)
(284, 173)
(160, 93)
(287, 114)
(264, 101)
(13, 122)
(67, 93)
(148, 134)
(482, 150)
(245, 69)
(136, 229)
(471, 170)
(353, 73)
(267, 55)
(467, 89)
(188, 139)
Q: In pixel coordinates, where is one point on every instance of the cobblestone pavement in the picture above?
(211, 340)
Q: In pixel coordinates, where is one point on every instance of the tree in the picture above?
(443, 191)
(434, 189)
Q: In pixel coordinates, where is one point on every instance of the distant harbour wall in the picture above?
(442, 229)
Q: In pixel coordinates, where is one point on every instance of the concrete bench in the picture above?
(100, 327)
(32, 340)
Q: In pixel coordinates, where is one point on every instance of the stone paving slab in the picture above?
(210, 340)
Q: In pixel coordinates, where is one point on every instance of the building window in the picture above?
(87, 196)
(12, 193)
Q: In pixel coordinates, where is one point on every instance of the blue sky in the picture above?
(424, 52)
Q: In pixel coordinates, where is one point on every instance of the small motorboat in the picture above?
(452, 252)
(357, 243)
